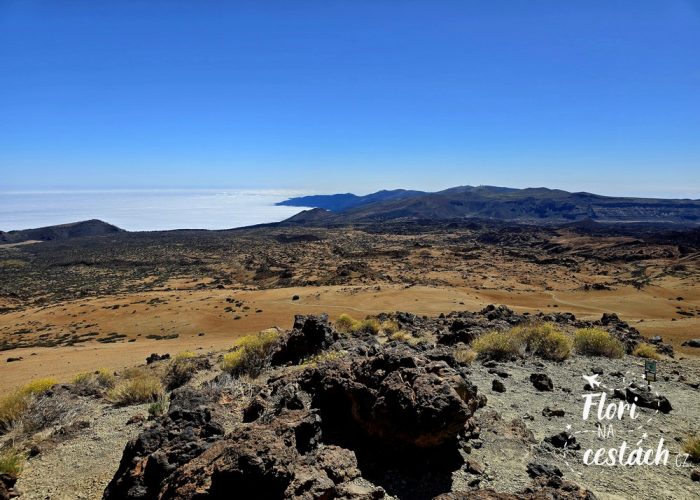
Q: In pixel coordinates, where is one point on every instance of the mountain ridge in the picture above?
(534, 205)
(92, 227)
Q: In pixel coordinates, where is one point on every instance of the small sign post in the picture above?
(650, 370)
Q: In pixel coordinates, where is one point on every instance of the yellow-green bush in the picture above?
(598, 342)
(185, 355)
(498, 345)
(323, 357)
(39, 385)
(14, 404)
(401, 336)
(142, 388)
(105, 377)
(464, 355)
(252, 353)
(646, 351)
(691, 446)
(82, 378)
(11, 461)
(389, 327)
(346, 324)
(544, 340)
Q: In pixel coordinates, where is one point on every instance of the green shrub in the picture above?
(185, 355)
(598, 342)
(323, 357)
(691, 446)
(142, 388)
(11, 461)
(252, 354)
(646, 351)
(498, 345)
(157, 409)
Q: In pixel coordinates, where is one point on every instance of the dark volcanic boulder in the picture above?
(397, 397)
(644, 397)
(271, 460)
(309, 335)
(691, 343)
(183, 434)
(542, 382)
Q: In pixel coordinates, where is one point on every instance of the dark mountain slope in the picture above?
(538, 205)
(92, 227)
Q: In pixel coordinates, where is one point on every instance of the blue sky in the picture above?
(353, 95)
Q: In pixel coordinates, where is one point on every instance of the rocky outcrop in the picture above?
(543, 487)
(397, 397)
(309, 335)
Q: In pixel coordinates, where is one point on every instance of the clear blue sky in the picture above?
(596, 95)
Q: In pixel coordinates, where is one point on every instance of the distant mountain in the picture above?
(533, 205)
(339, 202)
(92, 227)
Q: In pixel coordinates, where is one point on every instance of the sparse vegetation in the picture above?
(691, 446)
(105, 377)
(323, 357)
(347, 324)
(252, 354)
(646, 351)
(142, 388)
(598, 342)
(11, 462)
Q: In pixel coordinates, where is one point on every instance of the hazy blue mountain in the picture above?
(339, 202)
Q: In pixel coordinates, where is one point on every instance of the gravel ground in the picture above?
(510, 417)
(81, 467)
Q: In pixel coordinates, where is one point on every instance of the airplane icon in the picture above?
(592, 380)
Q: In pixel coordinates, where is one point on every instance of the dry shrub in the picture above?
(323, 357)
(180, 371)
(345, 323)
(498, 345)
(11, 461)
(646, 351)
(142, 388)
(691, 446)
(46, 410)
(464, 355)
(185, 355)
(389, 327)
(401, 336)
(598, 342)
(544, 340)
(13, 405)
(252, 354)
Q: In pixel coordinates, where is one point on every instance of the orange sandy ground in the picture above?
(189, 312)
